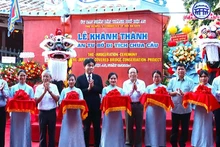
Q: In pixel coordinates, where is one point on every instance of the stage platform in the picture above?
(35, 131)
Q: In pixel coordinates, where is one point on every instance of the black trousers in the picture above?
(217, 125)
(2, 126)
(94, 117)
(135, 119)
(178, 119)
(47, 122)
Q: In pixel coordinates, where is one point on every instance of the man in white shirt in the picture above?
(216, 88)
(134, 88)
(46, 96)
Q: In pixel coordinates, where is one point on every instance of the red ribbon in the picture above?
(21, 95)
(113, 101)
(73, 95)
(161, 90)
(160, 98)
(72, 101)
(21, 102)
(202, 97)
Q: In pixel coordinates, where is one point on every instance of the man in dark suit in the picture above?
(91, 86)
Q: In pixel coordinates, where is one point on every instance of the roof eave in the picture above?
(144, 5)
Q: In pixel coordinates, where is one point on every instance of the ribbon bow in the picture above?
(73, 95)
(161, 90)
(21, 95)
(202, 89)
(114, 92)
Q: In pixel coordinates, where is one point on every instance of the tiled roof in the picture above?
(61, 7)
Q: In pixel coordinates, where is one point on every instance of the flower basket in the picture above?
(184, 53)
(32, 68)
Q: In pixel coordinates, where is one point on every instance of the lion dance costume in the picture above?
(58, 51)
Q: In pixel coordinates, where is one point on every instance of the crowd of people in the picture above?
(75, 132)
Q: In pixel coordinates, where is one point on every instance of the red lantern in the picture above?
(171, 43)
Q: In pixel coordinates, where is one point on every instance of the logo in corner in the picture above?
(201, 10)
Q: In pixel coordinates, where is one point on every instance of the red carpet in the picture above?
(36, 144)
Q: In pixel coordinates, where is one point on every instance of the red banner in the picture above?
(116, 41)
(179, 37)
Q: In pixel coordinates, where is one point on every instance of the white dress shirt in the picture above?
(47, 103)
(87, 76)
(128, 89)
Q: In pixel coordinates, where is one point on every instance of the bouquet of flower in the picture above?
(8, 73)
(33, 70)
(211, 31)
(184, 53)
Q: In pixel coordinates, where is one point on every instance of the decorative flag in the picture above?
(14, 16)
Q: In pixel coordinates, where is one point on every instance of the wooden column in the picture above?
(3, 38)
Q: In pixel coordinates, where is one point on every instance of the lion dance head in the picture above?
(209, 40)
(58, 49)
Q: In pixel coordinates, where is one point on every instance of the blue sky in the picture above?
(175, 7)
